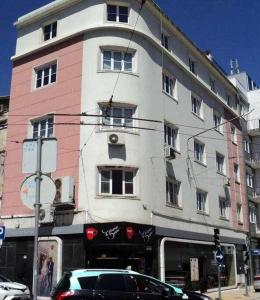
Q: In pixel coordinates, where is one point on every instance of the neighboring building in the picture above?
(4, 108)
(145, 198)
(250, 89)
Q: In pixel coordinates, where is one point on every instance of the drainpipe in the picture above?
(162, 259)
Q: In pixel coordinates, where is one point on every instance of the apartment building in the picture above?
(149, 134)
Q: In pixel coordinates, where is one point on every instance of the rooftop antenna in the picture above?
(234, 69)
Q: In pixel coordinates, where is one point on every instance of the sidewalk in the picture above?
(234, 294)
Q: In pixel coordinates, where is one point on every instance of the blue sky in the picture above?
(228, 28)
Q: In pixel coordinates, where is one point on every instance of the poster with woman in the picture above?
(49, 264)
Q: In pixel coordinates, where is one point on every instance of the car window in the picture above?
(3, 279)
(111, 282)
(145, 285)
(64, 283)
(88, 283)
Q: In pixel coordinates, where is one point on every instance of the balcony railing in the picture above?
(253, 159)
(253, 126)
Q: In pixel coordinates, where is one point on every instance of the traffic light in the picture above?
(216, 238)
(245, 254)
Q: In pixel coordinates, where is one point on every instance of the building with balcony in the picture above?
(150, 149)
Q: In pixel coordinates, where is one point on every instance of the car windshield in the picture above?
(4, 279)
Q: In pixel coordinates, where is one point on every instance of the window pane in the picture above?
(53, 73)
(107, 60)
(117, 112)
(43, 128)
(105, 182)
(50, 127)
(111, 13)
(54, 29)
(123, 14)
(117, 61)
(128, 112)
(46, 76)
(39, 79)
(47, 32)
(117, 182)
(129, 186)
(128, 62)
(35, 130)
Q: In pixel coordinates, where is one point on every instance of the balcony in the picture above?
(254, 194)
(253, 159)
(254, 127)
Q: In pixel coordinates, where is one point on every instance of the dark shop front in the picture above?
(121, 245)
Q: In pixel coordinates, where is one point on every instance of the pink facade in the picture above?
(28, 103)
(238, 192)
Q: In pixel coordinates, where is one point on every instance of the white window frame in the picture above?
(165, 40)
(249, 180)
(217, 119)
(248, 146)
(118, 6)
(171, 136)
(223, 208)
(111, 121)
(236, 173)
(202, 201)
(197, 106)
(173, 192)
(53, 30)
(252, 214)
(169, 85)
(220, 163)
(39, 121)
(122, 60)
(199, 152)
(47, 71)
(124, 170)
(239, 213)
(233, 134)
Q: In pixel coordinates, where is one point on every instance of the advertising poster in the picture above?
(194, 269)
(49, 265)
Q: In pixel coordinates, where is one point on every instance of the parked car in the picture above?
(13, 290)
(257, 282)
(93, 284)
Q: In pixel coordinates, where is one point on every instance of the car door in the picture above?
(112, 287)
(147, 288)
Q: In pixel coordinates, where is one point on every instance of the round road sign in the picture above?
(28, 190)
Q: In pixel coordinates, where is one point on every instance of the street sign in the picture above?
(2, 233)
(28, 191)
(219, 256)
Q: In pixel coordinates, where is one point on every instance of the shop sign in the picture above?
(194, 269)
(121, 232)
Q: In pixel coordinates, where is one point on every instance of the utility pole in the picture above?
(37, 208)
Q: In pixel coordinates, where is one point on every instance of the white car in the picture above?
(13, 290)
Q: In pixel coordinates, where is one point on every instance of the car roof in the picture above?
(97, 272)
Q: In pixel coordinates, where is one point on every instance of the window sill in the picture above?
(121, 72)
(204, 213)
(239, 222)
(237, 182)
(118, 130)
(34, 89)
(234, 143)
(198, 116)
(168, 204)
(115, 196)
(170, 96)
(224, 219)
(200, 163)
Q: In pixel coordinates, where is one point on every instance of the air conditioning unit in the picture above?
(64, 191)
(46, 214)
(169, 152)
(116, 139)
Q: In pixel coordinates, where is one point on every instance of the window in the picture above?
(111, 282)
(196, 104)
(192, 65)
(233, 134)
(87, 283)
(42, 128)
(171, 136)
(143, 286)
(229, 100)
(117, 13)
(117, 61)
(236, 173)
(117, 181)
(239, 213)
(247, 145)
(201, 201)
(199, 154)
(223, 208)
(50, 31)
(117, 117)
(217, 121)
(165, 41)
(249, 180)
(169, 85)
(220, 162)
(212, 83)
(46, 75)
(172, 192)
(252, 214)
